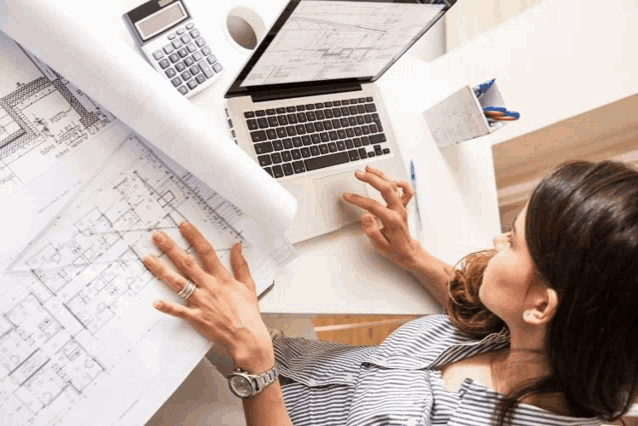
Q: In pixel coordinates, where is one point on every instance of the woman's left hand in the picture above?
(224, 307)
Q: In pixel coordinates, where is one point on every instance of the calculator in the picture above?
(165, 32)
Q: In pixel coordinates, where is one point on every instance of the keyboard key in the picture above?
(345, 111)
(310, 128)
(378, 150)
(336, 123)
(305, 152)
(341, 133)
(357, 142)
(336, 103)
(327, 104)
(365, 130)
(258, 136)
(301, 129)
(276, 157)
(301, 117)
(362, 109)
(311, 116)
(298, 166)
(327, 125)
(192, 84)
(332, 147)
(310, 106)
(316, 163)
(292, 119)
(361, 100)
(344, 122)
(323, 148)
(367, 118)
(291, 131)
(315, 150)
(194, 33)
(369, 99)
(277, 171)
(336, 112)
(270, 111)
(297, 141)
(287, 143)
(281, 132)
(288, 169)
(291, 109)
(278, 145)
(365, 140)
(360, 119)
(353, 109)
(279, 110)
(378, 138)
(273, 121)
(386, 150)
(362, 153)
(191, 47)
(319, 126)
(263, 148)
(271, 133)
(341, 146)
(249, 114)
(319, 105)
(200, 42)
(352, 121)
(320, 115)
(176, 81)
(324, 137)
(182, 89)
(306, 140)
(333, 135)
(301, 107)
(371, 154)
(264, 160)
(286, 156)
(158, 54)
(349, 132)
(349, 144)
(357, 131)
(315, 138)
(170, 73)
(189, 61)
(354, 155)
(328, 113)
(370, 107)
(263, 123)
(353, 101)
(296, 154)
(260, 113)
(345, 102)
(200, 78)
(180, 66)
(283, 120)
(164, 64)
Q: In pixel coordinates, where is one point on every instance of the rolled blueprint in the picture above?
(84, 50)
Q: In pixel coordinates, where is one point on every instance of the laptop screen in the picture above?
(333, 40)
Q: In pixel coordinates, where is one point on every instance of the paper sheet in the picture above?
(75, 43)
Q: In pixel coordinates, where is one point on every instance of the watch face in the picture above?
(241, 386)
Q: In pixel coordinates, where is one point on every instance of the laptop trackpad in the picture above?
(329, 192)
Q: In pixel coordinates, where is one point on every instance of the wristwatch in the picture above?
(245, 385)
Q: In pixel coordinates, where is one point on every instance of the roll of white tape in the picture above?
(244, 28)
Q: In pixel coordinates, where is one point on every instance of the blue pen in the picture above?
(416, 198)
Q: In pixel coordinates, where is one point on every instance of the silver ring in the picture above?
(187, 290)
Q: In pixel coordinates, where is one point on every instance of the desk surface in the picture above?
(340, 272)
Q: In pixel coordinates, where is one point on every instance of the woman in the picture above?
(541, 330)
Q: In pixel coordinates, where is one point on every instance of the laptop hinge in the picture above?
(299, 92)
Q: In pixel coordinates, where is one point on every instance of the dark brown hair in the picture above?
(582, 234)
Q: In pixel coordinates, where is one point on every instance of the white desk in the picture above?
(339, 272)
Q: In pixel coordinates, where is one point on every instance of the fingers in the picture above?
(387, 188)
(240, 267)
(206, 253)
(174, 309)
(184, 263)
(408, 192)
(372, 230)
(387, 216)
(164, 273)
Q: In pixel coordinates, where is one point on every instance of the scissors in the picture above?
(500, 114)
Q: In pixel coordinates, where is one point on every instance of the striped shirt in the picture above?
(397, 382)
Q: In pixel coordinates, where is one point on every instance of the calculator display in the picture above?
(161, 20)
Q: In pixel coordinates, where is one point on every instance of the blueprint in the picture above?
(43, 117)
(80, 285)
(325, 40)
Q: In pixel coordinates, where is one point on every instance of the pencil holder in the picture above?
(460, 116)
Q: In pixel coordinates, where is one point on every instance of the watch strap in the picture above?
(262, 380)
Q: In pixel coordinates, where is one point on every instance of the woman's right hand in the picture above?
(393, 239)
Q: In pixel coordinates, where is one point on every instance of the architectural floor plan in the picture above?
(43, 117)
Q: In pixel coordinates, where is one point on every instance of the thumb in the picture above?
(372, 230)
(240, 267)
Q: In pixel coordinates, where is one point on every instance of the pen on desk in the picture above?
(416, 198)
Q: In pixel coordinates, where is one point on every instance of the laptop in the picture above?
(306, 109)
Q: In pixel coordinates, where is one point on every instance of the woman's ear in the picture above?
(543, 309)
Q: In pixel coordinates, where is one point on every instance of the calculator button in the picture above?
(194, 33)
(172, 36)
(206, 50)
(206, 69)
(217, 67)
(158, 54)
(185, 38)
(180, 31)
(211, 59)
(186, 75)
(174, 57)
(180, 66)
(177, 44)
(176, 81)
(191, 47)
(164, 63)
(170, 73)
(200, 78)
(194, 69)
(168, 49)
(182, 89)
(190, 26)
(200, 41)
(197, 56)
(183, 52)
(188, 61)
(192, 84)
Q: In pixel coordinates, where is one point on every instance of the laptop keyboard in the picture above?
(306, 137)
